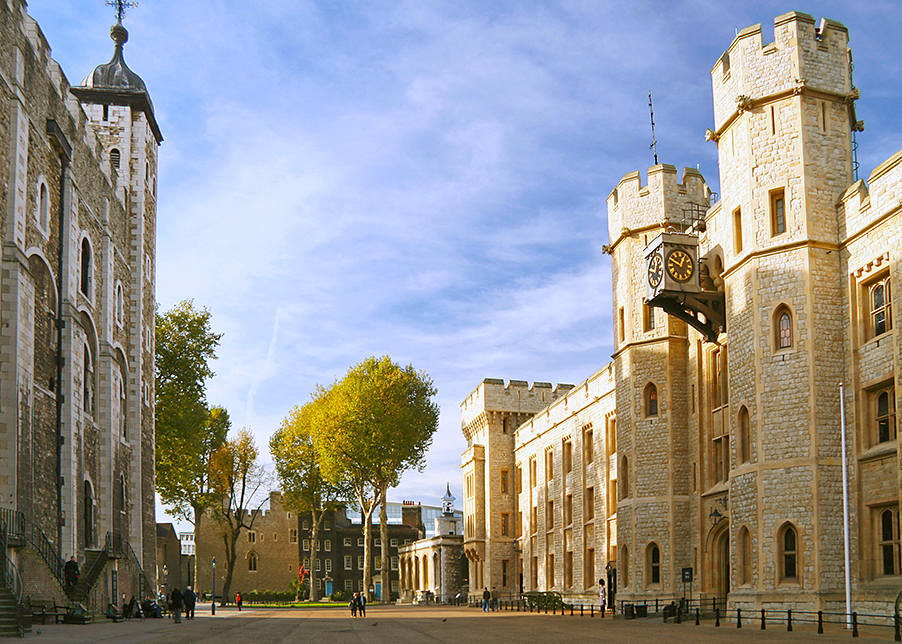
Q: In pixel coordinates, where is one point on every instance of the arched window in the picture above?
(86, 267)
(880, 307)
(653, 564)
(789, 553)
(120, 304)
(624, 477)
(252, 561)
(889, 542)
(886, 416)
(44, 207)
(89, 514)
(88, 382)
(745, 556)
(114, 158)
(745, 439)
(783, 328)
(651, 400)
(123, 409)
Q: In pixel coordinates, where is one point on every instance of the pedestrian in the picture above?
(486, 598)
(361, 604)
(495, 596)
(238, 600)
(175, 604)
(190, 599)
(602, 595)
(70, 570)
(353, 605)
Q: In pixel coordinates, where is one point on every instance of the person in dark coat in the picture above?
(70, 571)
(176, 602)
(361, 604)
(190, 599)
(353, 605)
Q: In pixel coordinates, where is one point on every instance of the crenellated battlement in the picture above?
(804, 56)
(632, 206)
(517, 396)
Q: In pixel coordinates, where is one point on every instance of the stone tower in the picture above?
(652, 396)
(783, 122)
(121, 114)
(489, 417)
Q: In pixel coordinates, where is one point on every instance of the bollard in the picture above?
(581, 610)
(762, 620)
(592, 610)
(854, 624)
(738, 618)
(820, 621)
(697, 616)
(716, 616)
(789, 620)
(898, 637)
(656, 604)
(571, 610)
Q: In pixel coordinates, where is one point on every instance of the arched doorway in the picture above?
(721, 563)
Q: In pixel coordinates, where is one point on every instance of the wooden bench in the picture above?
(41, 609)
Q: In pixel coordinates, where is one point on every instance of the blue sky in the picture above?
(422, 179)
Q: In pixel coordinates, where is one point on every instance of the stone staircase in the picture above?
(9, 626)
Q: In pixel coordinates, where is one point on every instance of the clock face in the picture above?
(655, 270)
(679, 265)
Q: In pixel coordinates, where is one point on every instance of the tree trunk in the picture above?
(231, 558)
(198, 513)
(314, 537)
(385, 573)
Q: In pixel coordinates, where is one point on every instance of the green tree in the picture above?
(377, 424)
(304, 488)
(188, 432)
(238, 481)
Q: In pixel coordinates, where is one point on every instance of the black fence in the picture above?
(679, 609)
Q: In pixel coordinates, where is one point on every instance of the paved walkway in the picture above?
(419, 624)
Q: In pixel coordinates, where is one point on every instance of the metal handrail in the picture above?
(142, 574)
(34, 535)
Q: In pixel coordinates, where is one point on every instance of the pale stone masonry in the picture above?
(725, 456)
(79, 166)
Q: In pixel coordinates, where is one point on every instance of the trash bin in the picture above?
(629, 611)
(641, 610)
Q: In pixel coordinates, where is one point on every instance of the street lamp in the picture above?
(213, 586)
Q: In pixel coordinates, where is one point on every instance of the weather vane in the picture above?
(121, 6)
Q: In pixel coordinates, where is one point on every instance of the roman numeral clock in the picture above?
(672, 283)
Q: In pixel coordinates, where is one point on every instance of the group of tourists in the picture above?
(358, 605)
(179, 601)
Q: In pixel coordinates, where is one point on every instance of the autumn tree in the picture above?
(238, 481)
(304, 488)
(377, 423)
(188, 431)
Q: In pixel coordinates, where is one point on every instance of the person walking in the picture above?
(238, 600)
(495, 596)
(70, 571)
(353, 605)
(602, 595)
(176, 602)
(486, 598)
(190, 599)
(361, 604)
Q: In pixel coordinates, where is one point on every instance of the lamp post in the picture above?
(213, 586)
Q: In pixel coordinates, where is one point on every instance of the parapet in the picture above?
(803, 56)
(517, 396)
(864, 203)
(632, 206)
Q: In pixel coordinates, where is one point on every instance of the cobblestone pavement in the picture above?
(419, 624)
